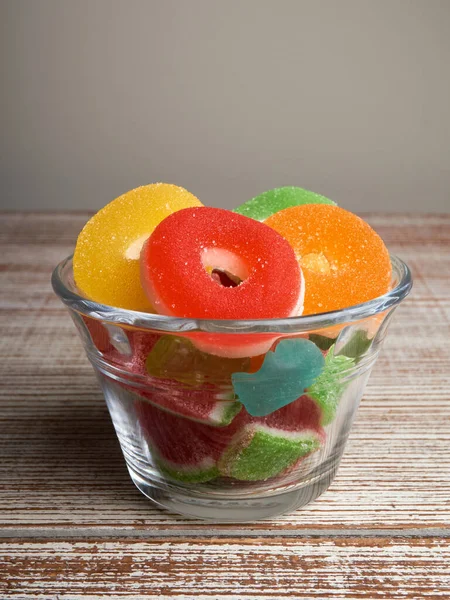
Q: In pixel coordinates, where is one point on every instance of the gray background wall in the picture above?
(350, 98)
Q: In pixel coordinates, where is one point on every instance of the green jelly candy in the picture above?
(206, 396)
(321, 341)
(176, 358)
(328, 387)
(266, 452)
(284, 375)
(357, 345)
(272, 201)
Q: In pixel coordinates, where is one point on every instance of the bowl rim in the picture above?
(67, 292)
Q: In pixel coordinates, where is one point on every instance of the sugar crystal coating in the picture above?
(178, 257)
(184, 450)
(266, 447)
(106, 259)
(328, 388)
(200, 405)
(247, 449)
(344, 261)
(272, 201)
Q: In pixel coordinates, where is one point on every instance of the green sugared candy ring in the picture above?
(272, 201)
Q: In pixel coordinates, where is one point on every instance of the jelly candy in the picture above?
(206, 379)
(175, 445)
(106, 259)
(344, 261)
(323, 342)
(266, 447)
(265, 453)
(179, 257)
(201, 401)
(233, 345)
(141, 342)
(272, 201)
(357, 345)
(248, 449)
(178, 383)
(99, 335)
(184, 450)
(328, 387)
(177, 359)
(284, 375)
(176, 258)
(203, 406)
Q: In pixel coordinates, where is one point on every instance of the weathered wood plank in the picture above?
(209, 569)
(60, 464)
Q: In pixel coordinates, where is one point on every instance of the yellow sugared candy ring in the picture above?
(106, 259)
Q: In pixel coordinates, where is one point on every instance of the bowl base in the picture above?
(222, 509)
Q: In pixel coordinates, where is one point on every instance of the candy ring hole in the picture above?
(224, 267)
(317, 262)
(224, 278)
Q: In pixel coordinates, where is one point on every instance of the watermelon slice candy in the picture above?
(141, 343)
(249, 449)
(204, 402)
(183, 449)
(202, 405)
(267, 447)
(99, 335)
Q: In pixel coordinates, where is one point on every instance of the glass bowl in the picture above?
(232, 420)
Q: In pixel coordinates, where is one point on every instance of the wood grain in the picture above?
(66, 498)
(208, 569)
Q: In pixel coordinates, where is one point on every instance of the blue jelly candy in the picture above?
(284, 375)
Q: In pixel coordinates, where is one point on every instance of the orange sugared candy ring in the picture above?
(344, 261)
(106, 260)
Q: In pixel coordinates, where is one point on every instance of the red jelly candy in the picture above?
(184, 249)
(179, 266)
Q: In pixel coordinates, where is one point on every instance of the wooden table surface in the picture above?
(72, 525)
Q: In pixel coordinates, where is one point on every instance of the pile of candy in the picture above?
(242, 406)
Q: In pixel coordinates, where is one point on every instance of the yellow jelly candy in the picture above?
(106, 259)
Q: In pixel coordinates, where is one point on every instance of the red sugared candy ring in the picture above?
(186, 250)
